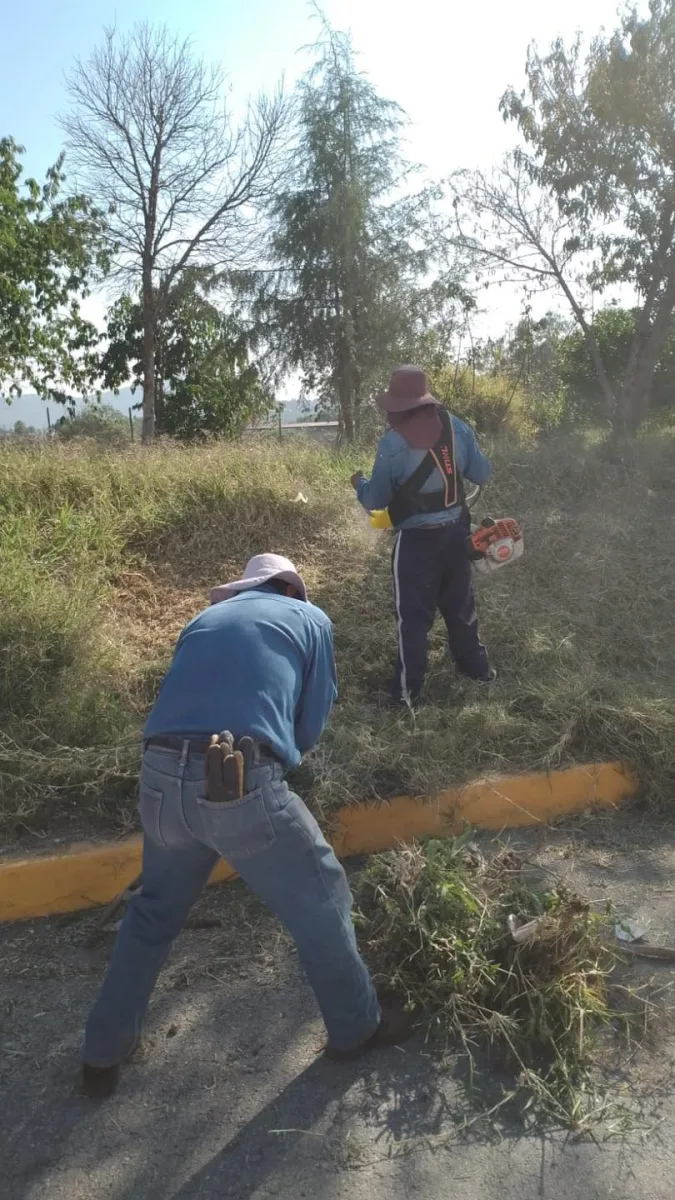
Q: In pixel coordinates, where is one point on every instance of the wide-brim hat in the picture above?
(263, 568)
(408, 389)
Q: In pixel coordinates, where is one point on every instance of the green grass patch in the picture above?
(104, 556)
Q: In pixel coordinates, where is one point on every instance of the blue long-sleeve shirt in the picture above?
(260, 664)
(395, 462)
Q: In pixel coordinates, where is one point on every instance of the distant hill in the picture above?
(33, 411)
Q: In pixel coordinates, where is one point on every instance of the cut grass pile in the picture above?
(435, 927)
(104, 556)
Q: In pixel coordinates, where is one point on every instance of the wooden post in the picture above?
(49, 422)
(281, 436)
(131, 425)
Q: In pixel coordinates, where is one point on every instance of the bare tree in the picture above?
(151, 137)
(513, 229)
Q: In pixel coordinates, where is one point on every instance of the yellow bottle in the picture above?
(379, 519)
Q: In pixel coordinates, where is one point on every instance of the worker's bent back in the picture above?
(259, 664)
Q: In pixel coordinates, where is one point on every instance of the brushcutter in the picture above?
(490, 545)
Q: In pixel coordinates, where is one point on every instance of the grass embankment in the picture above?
(105, 556)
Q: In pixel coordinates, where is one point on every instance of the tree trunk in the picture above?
(347, 410)
(160, 410)
(635, 395)
(646, 346)
(636, 391)
(347, 393)
(608, 394)
(357, 415)
(606, 388)
(343, 376)
(149, 330)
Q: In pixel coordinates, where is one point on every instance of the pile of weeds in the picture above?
(437, 926)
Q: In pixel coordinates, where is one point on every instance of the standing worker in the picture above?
(418, 476)
(258, 662)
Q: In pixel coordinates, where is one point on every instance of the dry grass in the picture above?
(106, 555)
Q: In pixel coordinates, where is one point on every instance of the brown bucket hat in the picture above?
(408, 389)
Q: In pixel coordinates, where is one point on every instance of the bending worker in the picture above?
(258, 662)
(418, 476)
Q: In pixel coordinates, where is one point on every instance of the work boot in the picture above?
(99, 1083)
(396, 1026)
(488, 676)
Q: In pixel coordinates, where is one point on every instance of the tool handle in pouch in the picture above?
(224, 770)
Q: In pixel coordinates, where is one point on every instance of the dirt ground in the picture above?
(230, 1099)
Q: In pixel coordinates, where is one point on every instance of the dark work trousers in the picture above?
(432, 573)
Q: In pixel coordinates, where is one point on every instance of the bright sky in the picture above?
(446, 63)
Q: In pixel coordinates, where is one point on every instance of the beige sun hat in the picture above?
(260, 569)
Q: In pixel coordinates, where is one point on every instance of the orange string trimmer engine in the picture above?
(494, 544)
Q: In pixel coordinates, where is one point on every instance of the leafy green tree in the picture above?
(614, 330)
(589, 202)
(151, 135)
(207, 381)
(51, 251)
(346, 296)
(603, 133)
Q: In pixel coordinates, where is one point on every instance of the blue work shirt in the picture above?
(395, 462)
(260, 664)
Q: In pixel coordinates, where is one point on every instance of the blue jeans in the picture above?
(274, 843)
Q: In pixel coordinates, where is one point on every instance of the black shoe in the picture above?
(488, 676)
(396, 1026)
(99, 1083)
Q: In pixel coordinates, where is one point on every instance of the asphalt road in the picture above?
(230, 1097)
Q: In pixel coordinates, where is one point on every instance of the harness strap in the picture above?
(409, 499)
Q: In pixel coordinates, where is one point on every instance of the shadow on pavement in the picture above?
(230, 1098)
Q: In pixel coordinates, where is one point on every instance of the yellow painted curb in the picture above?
(86, 875)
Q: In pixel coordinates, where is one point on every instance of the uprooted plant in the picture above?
(443, 925)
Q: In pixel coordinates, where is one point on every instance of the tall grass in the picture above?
(104, 556)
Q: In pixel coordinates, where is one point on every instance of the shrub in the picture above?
(101, 423)
(492, 403)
